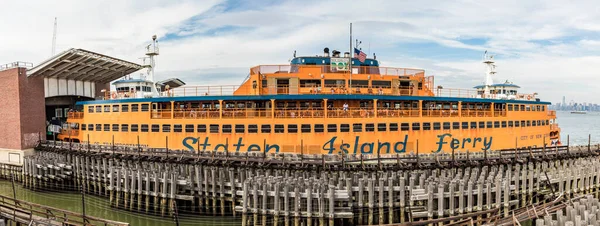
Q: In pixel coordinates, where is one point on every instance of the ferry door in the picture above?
(155, 110)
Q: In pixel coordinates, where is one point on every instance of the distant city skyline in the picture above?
(574, 106)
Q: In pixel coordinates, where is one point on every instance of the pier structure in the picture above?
(284, 189)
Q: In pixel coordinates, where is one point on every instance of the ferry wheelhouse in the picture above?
(321, 105)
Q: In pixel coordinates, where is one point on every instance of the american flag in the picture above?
(360, 55)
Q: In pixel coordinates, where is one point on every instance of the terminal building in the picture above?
(33, 96)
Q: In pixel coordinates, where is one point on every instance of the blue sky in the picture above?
(547, 47)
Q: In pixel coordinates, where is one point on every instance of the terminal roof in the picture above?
(84, 65)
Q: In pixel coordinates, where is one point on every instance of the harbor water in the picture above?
(577, 126)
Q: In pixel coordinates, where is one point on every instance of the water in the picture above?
(577, 126)
(99, 207)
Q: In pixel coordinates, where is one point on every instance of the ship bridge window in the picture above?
(426, 126)
(382, 84)
(404, 126)
(345, 128)
(319, 128)
(240, 128)
(335, 83)
(166, 128)
(115, 108)
(155, 128)
(90, 109)
(332, 128)
(253, 128)
(214, 128)
(356, 127)
(360, 83)
(292, 128)
(279, 128)
(310, 83)
(145, 107)
(265, 128)
(305, 128)
(416, 126)
(125, 108)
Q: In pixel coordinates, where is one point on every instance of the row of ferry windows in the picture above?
(146, 107)
(307, 128)
(117, 108)
(520, 107)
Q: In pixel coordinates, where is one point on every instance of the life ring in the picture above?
(528, 97)
(114, 95)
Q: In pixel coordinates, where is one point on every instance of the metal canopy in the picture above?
(83, 65)
(172, 82)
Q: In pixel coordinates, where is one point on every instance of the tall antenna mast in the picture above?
(151, 52)
(350, 61)
(54, 38)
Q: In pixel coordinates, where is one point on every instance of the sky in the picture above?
(550, 47)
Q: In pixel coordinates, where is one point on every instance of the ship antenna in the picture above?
(490, 70)
(151, 52)
(350, 60)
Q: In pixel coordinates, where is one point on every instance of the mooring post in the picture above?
(113, 144)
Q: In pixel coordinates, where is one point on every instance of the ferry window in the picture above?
(356, 127)
(360, 83)
(510, 124)
(382, 84)
(125, 108)
(533, 123)
(489, 124)
(265, 128)
(345, 128)
(166, 128)
(437, 126)
(455, 125)
(253, 128)
(134, 107)
(214, 128)
(145, 107)
(332, 128)
(134, 127)
(426, 126)
(510, 107)
(106, 108)
(226, 128)
(547, 122)
(334, 83)
(155, 128)
(83, 126)
(465, 125)
(124, 128)
(522, 107)
(473, 125)
(503, 124)
(115, 108)
(177, 128)
(543, 108)
(369, 127)
(446, 125)
(517, 124)
(98, 127)
(98, 108)
(292, 128)
(319, 128)
(279, 128)
(144, 128)
(528, 123)
(240, 128)
(91, 127)
(189, 128)
(201, 129)
(305, 128)
(481, 125)
(382, 127)
(310, 82)
(394, 126)
(496, 124)
(107, 127)
(528, 108)
(538, 107)
(523, 123)
(416, 126)
(90, 109)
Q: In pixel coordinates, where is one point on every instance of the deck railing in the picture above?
(377, 71)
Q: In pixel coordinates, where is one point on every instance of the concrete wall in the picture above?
(22, 109)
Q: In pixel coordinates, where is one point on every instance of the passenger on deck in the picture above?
(345, 107)
(380, 91)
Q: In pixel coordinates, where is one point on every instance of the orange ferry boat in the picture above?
(318, 105)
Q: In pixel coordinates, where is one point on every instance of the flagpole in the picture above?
(350, 61)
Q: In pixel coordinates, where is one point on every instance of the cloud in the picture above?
(545, 46)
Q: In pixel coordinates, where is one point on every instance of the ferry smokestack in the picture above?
(336, 53)
(326, 52)
(346, 54)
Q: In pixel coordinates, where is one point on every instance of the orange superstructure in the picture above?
(320, 105)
